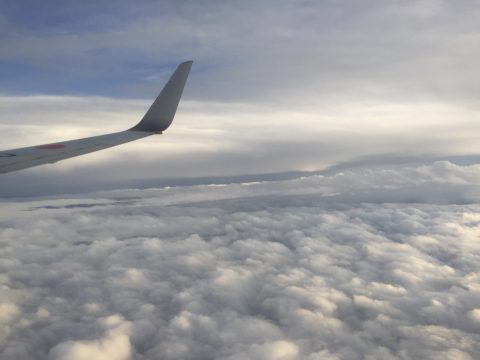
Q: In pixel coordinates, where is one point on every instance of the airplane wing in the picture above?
(157, 119)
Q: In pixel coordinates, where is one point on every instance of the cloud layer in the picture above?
(253, 51)
(362, 264)
(217, 139)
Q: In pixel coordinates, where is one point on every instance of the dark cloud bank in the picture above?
(378, 264)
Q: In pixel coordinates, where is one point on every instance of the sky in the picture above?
(316, 196)
(276, 86)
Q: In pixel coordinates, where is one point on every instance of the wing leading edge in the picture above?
(157, 119)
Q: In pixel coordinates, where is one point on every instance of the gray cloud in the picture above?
(360, 264)
(268, 51)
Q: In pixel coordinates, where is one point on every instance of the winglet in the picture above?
(160, 115)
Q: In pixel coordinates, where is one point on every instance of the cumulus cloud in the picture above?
(361, 264)
(115, 345)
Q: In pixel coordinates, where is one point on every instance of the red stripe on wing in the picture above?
(50, 146)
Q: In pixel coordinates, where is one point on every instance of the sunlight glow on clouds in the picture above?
(216, 139)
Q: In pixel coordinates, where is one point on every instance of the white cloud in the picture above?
(208, 138)
(8, 311)
(115, 345)
(367, 264)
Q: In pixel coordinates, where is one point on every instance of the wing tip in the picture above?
(160, 115)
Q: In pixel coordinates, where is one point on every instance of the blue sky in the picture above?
(117, 70)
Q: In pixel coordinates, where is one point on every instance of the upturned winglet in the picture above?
(160, 115)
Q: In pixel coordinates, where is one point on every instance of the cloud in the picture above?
(115, 345)
(208, 140)
(363, 264)
(298, 53)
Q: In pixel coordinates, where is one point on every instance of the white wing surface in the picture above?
(157, 119)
